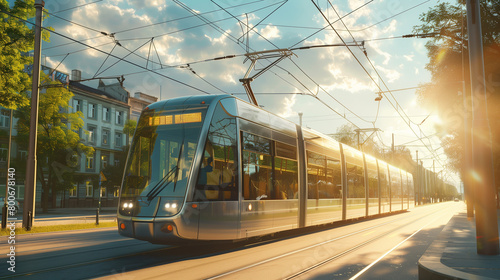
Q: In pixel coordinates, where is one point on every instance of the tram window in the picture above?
(269, 168)
(286, 151)
(372, 171)
(323, 176)
(355, 173)
(285, 178)
(257, 167)
(217, 178)
(334, 177)
(384, 183)
(161, 156)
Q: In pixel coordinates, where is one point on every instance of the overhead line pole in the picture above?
(483, 177)
(30, 182)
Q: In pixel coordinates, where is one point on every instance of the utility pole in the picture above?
(468, 190)
(30, 182)
(483, 179)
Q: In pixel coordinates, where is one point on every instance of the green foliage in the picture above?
(449, 66)
(129, 127)
(16, 40)
(58, 140)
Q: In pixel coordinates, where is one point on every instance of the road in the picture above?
(383, 248)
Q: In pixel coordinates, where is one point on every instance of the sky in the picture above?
(166, 48)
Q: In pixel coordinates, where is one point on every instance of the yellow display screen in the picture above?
(175, 119)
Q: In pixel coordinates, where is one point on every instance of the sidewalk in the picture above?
(454, 256)
(65, 216)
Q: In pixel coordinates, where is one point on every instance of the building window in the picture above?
(104, 161)
(119, 117)
(116, 193)
(92, 134)
(117, 162)
(118, 139)
(3, 154)
(90, 162)
(73, 192)
(103, 191)
(92, 111)
(105, 114)
(105, 137)
(78, 105)
(5, 119)
(88, 189)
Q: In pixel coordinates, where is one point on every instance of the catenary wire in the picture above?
(101, 51)
(359, 62)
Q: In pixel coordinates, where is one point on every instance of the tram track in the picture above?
(150, 258)
(303, 271)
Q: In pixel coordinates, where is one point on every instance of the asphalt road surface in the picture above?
(383, 248)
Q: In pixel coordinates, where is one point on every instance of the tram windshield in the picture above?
(162, 152)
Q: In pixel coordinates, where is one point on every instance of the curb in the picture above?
(430, 266)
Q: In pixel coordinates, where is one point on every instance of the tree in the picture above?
(114, 173)
(58, 142)
(449, 66)
(129, 127)
(16, 40)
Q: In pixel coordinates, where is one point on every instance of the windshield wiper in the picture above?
(178, 163)
(160, 185)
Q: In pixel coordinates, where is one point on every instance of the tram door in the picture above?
(217, 185)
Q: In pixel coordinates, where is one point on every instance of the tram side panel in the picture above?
(324, 180)
(216, 188)
(372, 185)
(385, 194)
(355, 186)
(396, 189)
(269, 176)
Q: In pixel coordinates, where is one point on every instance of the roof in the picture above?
(82, 87)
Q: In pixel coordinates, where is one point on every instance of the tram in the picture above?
(214, 167)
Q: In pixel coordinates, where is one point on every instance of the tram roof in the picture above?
(187, 100)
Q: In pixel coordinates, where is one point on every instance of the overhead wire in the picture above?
(386, 19)
(105, 34)
(76, 7)
(359, 62)
(380, 77)
(186, 17)
(101, 51)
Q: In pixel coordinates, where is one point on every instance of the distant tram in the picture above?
(218, 168)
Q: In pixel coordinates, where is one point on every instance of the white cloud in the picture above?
(287, 107)
(270, 32)
(391, 74)
(409, 57)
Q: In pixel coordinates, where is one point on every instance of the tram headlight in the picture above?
(169, 207)
(128, 205)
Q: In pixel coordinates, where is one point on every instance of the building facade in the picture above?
(106, 111)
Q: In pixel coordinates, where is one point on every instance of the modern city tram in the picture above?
(215, 167)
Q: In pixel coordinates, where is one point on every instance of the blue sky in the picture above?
(174, 33)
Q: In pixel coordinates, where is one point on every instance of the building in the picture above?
(106, 111)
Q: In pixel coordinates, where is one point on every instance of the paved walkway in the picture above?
(64, 216)
(454, 254)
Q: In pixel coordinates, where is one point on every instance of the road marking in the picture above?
(393, 248)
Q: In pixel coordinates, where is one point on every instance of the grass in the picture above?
(5, 232)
